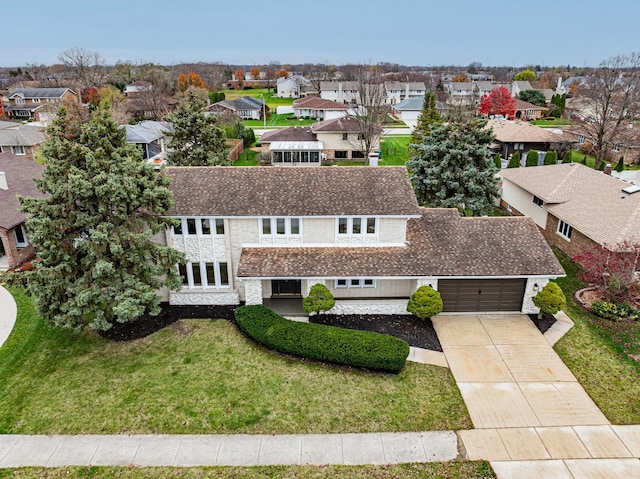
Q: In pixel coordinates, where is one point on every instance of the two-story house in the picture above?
(399, 91)
(252, 234)
(39, 104)
(21, 140)
(17, 175)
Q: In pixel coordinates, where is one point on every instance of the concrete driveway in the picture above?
(532, 417)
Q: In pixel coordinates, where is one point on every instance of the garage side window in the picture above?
(565, 230)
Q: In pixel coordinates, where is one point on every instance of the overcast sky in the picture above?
(409, 32)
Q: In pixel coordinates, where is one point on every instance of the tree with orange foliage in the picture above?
(255, 73)
(190, 79)
(282, 74)
(460, 77)
(498, 102)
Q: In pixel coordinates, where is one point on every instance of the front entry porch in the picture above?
(290, 307)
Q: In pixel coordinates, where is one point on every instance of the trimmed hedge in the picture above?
(361, 349)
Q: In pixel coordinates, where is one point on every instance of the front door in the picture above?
(286, 287)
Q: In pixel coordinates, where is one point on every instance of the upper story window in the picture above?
(199, 227)
(18, 150)
(537, 201)
(345, 136)
(564, 230)
(366, 225)
(35, 100)
(204, 274)
(280, 226)
(20, 101)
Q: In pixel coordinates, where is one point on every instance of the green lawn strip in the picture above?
(553, 123)
(446, 470)
(597, 359)
(247, 158)
(204, 377)
(272, 101)
(395, 150)
(277, 121)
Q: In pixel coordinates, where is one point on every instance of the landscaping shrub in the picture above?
(620, 165)
(551, 158)
(497, 161)
(361, 349)
(532, 158)
(514, 162)
(567, 157)
(319, 299)
(425, 303)
(550, 300)
(614, 312)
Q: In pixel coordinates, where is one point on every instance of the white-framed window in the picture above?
(20, 101)
(35, 100)
(356, 226)
(564, 230)
(537, 201)
(581, 139)
(204, 274)
(283, 226)
(354, 283)
(18, 150)
(20, 237)
(199, 227)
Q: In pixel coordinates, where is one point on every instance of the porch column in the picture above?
(310, 284)
(534, 285)
(253, 291)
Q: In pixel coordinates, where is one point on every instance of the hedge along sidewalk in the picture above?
(362, 349)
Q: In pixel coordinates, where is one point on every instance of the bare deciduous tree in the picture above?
(152, 99)
(370, 108)
(84, 67)
(610, 97)
(317, 73)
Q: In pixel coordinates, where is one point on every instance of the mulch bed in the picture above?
(417, 332)
(544, 323)
(146, 325)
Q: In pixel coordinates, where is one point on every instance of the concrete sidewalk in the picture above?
(8, 312)
(227, 450)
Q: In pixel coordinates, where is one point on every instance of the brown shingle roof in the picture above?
(440, 243)
(589, 200)
(308, 191)
(293, 133)
(345, 124)
(20, 173)
(507, 131)
(315, 103)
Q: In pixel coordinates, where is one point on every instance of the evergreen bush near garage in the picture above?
(532, 158)
(514, 162)
(361, 349)
(551, 158)
(425, 303)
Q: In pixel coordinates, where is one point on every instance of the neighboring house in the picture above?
(518, 87)
(150, 136)
(409, 110)
(21, 140)
(246, 107)
(293, 146)
(341, 138)
(134, 90)
(625, 146)
(341, 92)
(16, 179)
(528, 111)
(399, 91)
(462, 93)
(292, 87)
(511, 136)
(318, 108)
(568, 86)
(262, 233)
(38, 104)
(575, 207)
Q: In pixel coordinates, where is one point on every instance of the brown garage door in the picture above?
(460, 295)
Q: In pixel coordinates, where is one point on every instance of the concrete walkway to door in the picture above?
(532, 417)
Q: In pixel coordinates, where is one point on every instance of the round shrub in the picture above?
(319, 299)
(425, 303)
(551, 299)
(360, 349)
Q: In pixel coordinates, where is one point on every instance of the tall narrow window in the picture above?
(182, 270)
(20, 236)
(177, 229)
(266, 226)
(211, 274)
(280, 226)
(195, 270)
(356, 228)
(224, 274)
(342, 226)
(206, 226)
(219, 226)
(371, 225)
(191, 226)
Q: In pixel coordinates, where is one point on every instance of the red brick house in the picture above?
(16, 179)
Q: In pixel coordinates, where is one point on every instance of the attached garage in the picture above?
(468, 295)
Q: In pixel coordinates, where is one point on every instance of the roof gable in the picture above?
(20, 173)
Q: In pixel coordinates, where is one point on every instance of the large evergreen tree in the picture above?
(428, 118)
(97, 262)
(196, 139)
(453, 168)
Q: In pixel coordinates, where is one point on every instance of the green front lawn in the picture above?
(446, 470)
(271, 100)
(598, 352)
(277, 121)
(553, 122)
(395, 150)
(247, 158)
(203, 377)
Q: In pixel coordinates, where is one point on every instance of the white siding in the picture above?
(392, 230)
(318, 230)
(522, 201)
